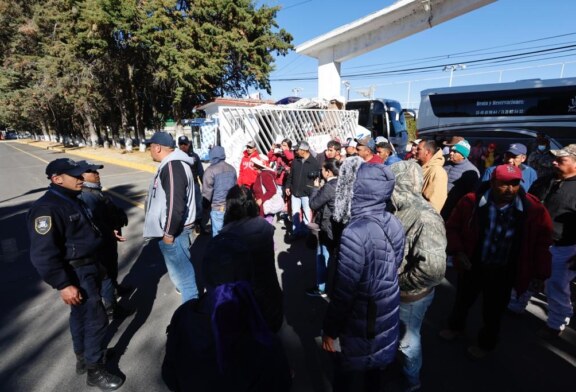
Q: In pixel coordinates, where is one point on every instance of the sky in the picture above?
(502, 28)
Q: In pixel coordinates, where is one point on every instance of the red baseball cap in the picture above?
(507, 173)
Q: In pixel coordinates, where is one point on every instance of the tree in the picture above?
(77, 67)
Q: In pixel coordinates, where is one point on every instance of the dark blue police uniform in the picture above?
(63, 245)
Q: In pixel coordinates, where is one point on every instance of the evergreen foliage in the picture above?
(106, 69)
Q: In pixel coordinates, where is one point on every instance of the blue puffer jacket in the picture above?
(363, 311)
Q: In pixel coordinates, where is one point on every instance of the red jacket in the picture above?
(264, 187)
(283, 160)
(464, 232)
(247, 174)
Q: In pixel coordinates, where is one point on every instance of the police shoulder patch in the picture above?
(43, 224)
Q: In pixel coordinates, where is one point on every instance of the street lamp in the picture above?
(452, 68)
(347, 85)
(296, 91)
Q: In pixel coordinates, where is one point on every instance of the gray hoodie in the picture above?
(219, 177)
(424, 262)
(163, 217)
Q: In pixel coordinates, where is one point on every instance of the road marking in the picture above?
(26, 152)
(119, 196)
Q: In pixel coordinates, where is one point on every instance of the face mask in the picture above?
(541, 148)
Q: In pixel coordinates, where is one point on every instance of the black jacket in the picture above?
(322, 201)
(299, 181)
(559, 198)
(60, 230)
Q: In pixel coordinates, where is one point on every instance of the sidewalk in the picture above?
(134, 160)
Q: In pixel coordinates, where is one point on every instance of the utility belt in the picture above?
(76, 263)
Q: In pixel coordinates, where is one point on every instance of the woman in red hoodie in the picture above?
(264, 187)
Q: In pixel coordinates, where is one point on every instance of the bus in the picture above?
(502, 113)
(383, 117)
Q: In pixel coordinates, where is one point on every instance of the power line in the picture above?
(455, 56)
(437, 66)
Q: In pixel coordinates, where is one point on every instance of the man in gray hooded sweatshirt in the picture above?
(219, 178)
(424, 262)
(171, 211)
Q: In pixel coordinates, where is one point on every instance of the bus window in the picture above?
(396, 121)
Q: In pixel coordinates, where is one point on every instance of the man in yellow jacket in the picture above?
(435, 188)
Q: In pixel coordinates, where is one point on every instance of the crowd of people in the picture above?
(386, 224)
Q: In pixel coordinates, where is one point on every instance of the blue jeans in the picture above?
(217, 219)
(180, 269)
(298, 221)
(558, 287)
(88, 320)
(411, 316)
(322, 257)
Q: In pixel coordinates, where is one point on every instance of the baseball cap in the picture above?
(381, 139)
(568, 151)
(64, 166)
(183, 140)
(453, 140)
(90, 166)
(161, 138)
(303, 145)
(517, 149)
(462, 147)
(366, 141)
(251, 144)
(507, 173)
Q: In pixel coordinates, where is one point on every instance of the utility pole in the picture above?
(452, 68)
(347, 85)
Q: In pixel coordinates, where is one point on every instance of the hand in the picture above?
(259, 202)
(168, 240)
(71, 295)
(288, 192)
(463, 260)
(118, 236)
(328, 344)
(317, 182)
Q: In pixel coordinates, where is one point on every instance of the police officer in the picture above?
(109, 218)
(63, 242)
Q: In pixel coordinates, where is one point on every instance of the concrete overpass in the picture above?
(400, 20)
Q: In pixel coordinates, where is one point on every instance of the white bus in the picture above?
(502, 112)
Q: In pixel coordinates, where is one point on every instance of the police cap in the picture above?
(64, 166)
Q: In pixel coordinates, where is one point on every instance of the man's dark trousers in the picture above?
(88, 320)
(495, 285)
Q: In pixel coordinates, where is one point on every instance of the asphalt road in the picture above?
(37, 351)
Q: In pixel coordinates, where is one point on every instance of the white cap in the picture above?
(278, 140)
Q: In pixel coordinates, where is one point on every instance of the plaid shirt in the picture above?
(499, 231)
